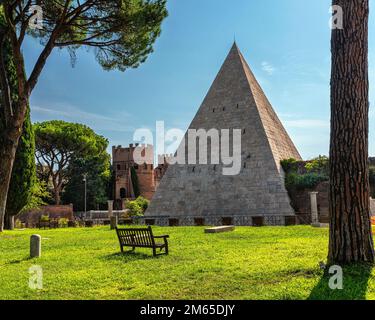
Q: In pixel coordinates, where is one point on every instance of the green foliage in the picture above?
(60, 138)
(63, 222)
(40, 196)
(65, 151)
(319, 164)
(121, 32)
(23, 181)
(135, 182)
(289, 165)
(97, 169)
(44, 218)
(302, 175)
(23, 173)
(134, 208)
(304, 181)
(18, 224)
(143, 203)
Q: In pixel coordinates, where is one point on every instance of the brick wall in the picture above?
(31, 218)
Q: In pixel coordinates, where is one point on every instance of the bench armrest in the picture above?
(159, 237)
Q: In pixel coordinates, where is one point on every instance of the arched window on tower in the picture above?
(122, 193)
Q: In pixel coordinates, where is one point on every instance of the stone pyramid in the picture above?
(234, 101)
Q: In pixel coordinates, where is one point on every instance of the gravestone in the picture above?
(35, 246)
(314, 209)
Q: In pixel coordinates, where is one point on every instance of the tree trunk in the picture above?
(7, 156)
(9, 222)
(57, 196)
(350, 226)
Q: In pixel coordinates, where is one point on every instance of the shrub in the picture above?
(289, 165)
(19, 224)
(305, 181)
(44, 218)
(143, 203)
(63, 222)
(134, 209)
(319, 165)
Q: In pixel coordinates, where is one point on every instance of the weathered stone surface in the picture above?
(219, 229)
(35, 246)
(235, 101)
(114, 222)
(314, 208)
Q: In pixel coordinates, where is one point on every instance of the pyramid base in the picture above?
(235, 220)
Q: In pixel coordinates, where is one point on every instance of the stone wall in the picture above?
(31, 218)
(212, 220)
(300, 200)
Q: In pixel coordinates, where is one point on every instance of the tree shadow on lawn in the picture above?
(355, 284)
(129, 256)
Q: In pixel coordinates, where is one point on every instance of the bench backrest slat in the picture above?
(138, 236)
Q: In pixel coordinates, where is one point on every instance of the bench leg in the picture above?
(154, 252)
(166, 247)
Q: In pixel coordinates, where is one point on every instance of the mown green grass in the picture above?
(249, 263)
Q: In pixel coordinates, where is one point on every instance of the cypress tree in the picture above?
(134, 176)
(24, 171)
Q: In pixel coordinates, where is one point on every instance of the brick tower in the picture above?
(189, 193)
(123, 162)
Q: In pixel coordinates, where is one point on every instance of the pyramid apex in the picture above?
(235, 46)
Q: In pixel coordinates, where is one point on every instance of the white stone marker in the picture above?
(110, 208)
(35, 246)
(314, 209)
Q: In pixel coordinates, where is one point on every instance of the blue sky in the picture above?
(286, 43)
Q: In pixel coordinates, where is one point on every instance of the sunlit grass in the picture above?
(249, 263)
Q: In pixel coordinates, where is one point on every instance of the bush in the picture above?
(63, 222)
(44, 218)
(143, 203)
(19, 224)
(134, 208)
(318, 165)
(305, 181)
(289, 165)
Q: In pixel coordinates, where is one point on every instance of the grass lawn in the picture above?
(249, 263)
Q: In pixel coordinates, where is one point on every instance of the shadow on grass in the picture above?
(129, 256)
(17, 261)
(355, 284)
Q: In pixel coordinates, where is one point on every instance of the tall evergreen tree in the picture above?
(23, 172)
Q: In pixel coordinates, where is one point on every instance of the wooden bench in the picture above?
(141, 238)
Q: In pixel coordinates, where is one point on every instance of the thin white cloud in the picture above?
(118, 123)
(268, 68)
